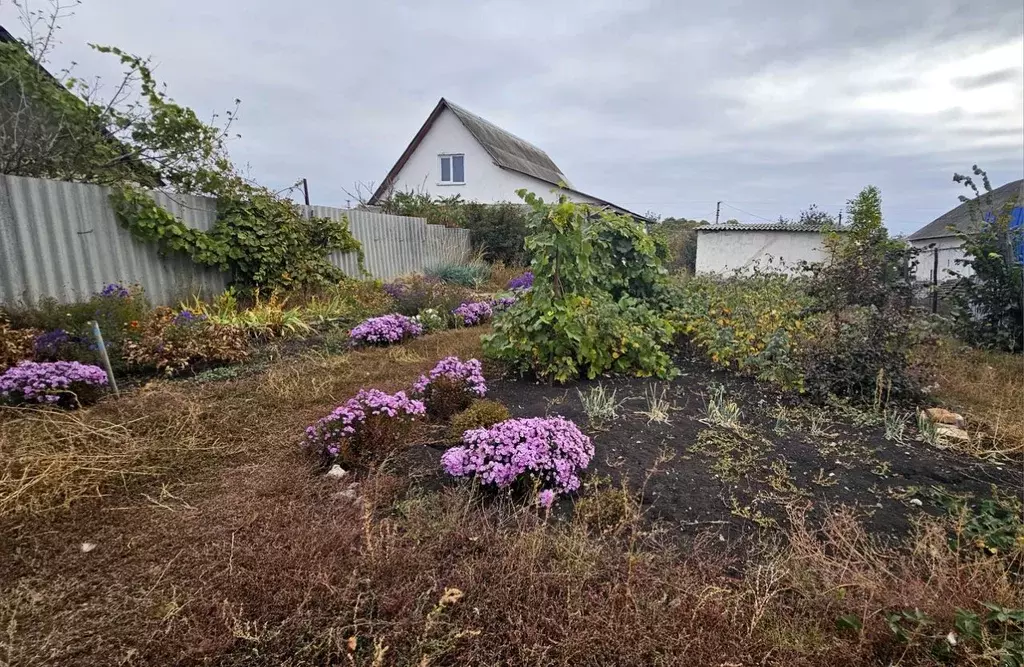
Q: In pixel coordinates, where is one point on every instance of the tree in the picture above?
(987, 301)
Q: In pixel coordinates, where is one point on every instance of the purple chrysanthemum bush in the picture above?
(451, 386)
(385, 330)
(550, 452)
(474, 313)
(365, 428)
(64, 383)
(523, 281)
(503, 303)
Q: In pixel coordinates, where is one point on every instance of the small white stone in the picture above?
(86, 547)
(916, 501)
(337, 471)
(951, 638)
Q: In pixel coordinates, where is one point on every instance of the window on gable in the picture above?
(453, 168)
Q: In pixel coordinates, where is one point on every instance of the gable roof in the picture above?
(960, 217)
(505, 149)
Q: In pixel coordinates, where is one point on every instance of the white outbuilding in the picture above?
(724, 249)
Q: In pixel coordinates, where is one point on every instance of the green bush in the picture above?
(481, 413)
(570, 323)
(749, 323)
(457, 273)
(498, 231)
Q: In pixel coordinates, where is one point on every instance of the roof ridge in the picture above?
(495, 126)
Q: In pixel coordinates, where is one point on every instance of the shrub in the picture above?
(172, 342)
(569, 323)
(987, 307)
(521, 282)
(456, 273)
(365, 428)
(385, 330)
(746, 323)
(474, 313)
(517, 452)
(15, 344)
(865, 353)
(55, 345)
(480, 414)
(579, 335)
(451, 386)
(498, 230)
(64, 383)
(415, 294)
(264, 319)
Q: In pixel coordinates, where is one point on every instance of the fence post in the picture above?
(935, 280)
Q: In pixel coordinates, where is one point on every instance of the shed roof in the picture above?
(960, 217)
(767, 227)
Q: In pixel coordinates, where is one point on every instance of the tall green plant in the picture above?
(988, 304)
(569, 323)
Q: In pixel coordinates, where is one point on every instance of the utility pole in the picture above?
(305, 191)
(840, 218)
(718, 209)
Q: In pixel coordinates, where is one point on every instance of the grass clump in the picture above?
(600, 405)
(482, 413)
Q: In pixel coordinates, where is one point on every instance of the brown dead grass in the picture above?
(988, 388)
(246, 558)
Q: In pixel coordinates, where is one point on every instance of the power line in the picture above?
(747, 212)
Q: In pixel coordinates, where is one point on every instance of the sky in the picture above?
(663, 107)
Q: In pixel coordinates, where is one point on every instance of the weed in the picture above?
(734, 455)
(895, 425)
(719, 411)
(781, 480)
(658, 407)
(783, 421)
(823, 480)
(751, 513)
(480, 414)
(927, 430)
(819, 422)
(882, 469)
(600, 405)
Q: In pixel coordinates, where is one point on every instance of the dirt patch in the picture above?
(781, 453)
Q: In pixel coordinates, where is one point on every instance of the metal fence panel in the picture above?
(62, 240)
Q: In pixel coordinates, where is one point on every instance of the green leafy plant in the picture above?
(568, 324)
(988, 301)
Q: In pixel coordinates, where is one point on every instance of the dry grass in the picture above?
(246, 558)
(988, 388)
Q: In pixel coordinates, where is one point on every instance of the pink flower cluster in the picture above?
(551, 450)
(470, 374)
(474, 312)
(49, 382)
(385, 330)
(347, 420)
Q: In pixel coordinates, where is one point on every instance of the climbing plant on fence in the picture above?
(261, 239)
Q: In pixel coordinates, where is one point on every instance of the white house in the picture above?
(457, 152)
(938, 242)
(724, 249)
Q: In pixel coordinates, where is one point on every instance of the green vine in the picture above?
(261, 239)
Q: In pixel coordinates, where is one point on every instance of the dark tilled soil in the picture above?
(740, 480)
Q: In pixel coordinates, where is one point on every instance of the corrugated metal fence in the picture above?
(62, 240)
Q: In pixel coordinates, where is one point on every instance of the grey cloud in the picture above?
(1008, 75)
(646, 103)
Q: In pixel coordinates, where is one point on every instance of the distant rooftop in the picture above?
(960, 217)
(765, 227)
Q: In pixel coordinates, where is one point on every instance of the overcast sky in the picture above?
(656, 106)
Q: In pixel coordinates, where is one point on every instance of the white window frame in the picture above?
(451, 168)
